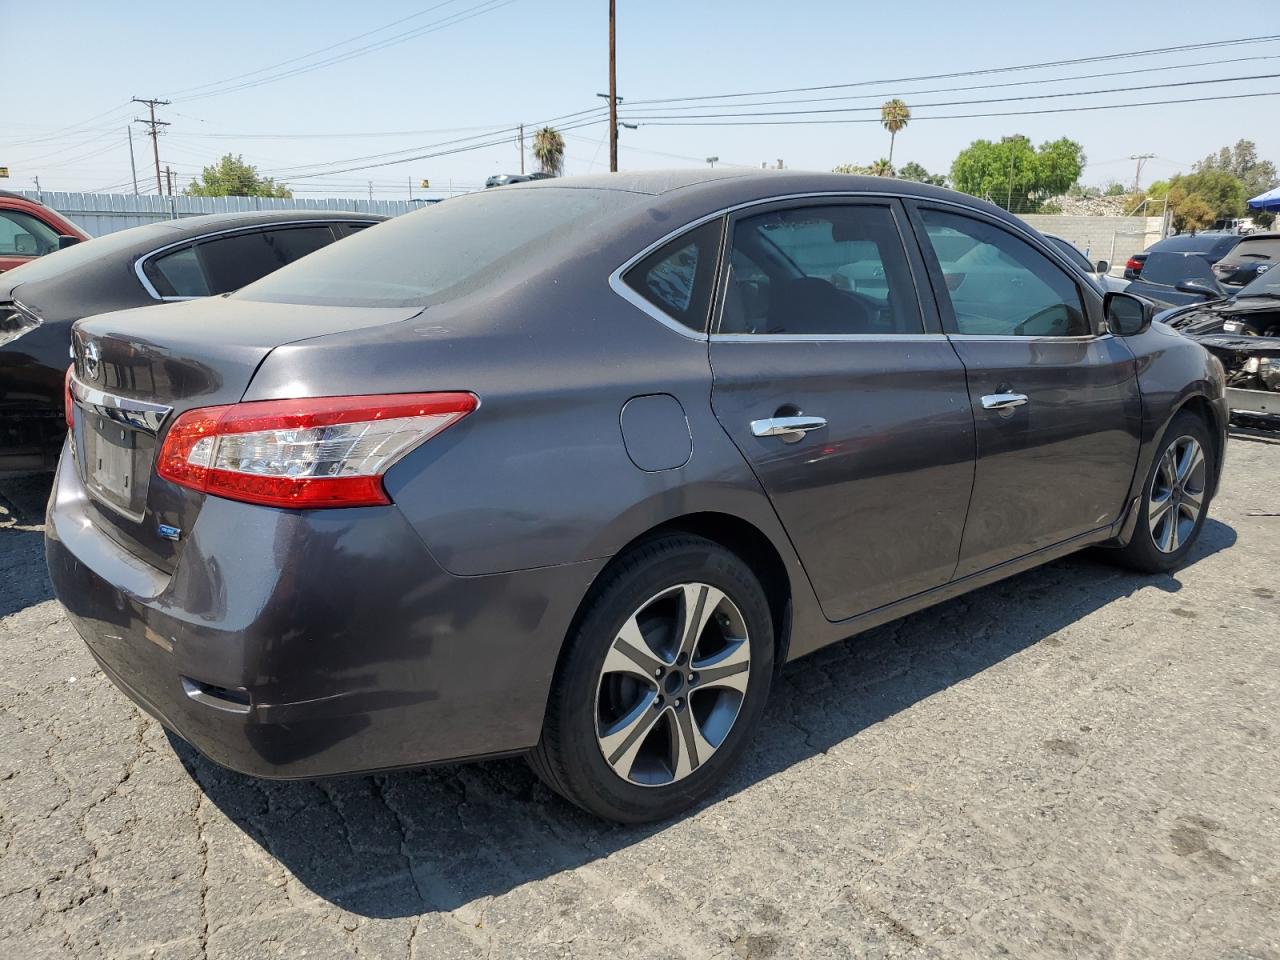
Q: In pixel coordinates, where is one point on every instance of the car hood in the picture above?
(1180, 317)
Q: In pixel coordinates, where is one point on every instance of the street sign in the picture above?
(4, 173)
(426, 184)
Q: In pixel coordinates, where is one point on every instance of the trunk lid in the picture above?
(137, 370)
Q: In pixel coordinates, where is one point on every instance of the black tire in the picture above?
(570, 758)
(1142, 552)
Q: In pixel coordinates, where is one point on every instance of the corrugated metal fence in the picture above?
(99, 213)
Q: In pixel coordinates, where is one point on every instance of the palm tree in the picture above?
(881, 168)
(894, 116)
(548, 150)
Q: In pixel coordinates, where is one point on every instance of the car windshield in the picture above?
(440, 253)
(1263, 285)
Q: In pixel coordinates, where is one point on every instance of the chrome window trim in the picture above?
(829, 337)
(1012, 338)
(626, 293)
(155, 294)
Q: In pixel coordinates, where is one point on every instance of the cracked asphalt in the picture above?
(1078, 762)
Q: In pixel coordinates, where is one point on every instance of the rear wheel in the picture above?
(1175, 498)
(661, 684)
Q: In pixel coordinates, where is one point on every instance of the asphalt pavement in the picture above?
(1077, 762)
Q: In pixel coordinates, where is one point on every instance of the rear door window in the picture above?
(834, 270)
(234, 261)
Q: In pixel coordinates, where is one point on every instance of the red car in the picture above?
(29, 229)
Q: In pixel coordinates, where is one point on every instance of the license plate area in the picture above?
(116, 464)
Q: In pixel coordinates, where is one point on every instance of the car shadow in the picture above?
(24, 579)
(402, 844)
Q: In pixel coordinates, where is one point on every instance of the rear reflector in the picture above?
(317, 452)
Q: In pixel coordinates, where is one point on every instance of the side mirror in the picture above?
(1127, 315)
(66, 240)
(1201, 288)
(1103, 266)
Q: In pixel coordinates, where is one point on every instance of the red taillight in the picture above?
(318, 452)
(68, 401)
(1133, 263)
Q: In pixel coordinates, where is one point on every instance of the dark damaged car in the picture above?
(1243, 332)
(570, 468)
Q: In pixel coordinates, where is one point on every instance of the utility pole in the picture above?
(1008, 203)
(38, 196)
(613, 91)
(371, 191)
(133, 165)
(1137, 174)
(155, 126)
(522, 149)
(168, 179)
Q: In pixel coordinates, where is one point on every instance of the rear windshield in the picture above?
(1213, 243)
(1171, 269)
(439, 253)
(1264, 248)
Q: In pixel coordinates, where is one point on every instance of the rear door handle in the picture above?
(1003, 401)
(790, 429)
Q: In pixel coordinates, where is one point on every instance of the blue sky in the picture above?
(496, 64)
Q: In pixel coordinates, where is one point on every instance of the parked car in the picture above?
(571, 468)
(1177, 279)
(504, 179)
(1243, 332)
(1099, 271)
(1208, 246)
(149, 265)
(29, 229)
(1252, 255)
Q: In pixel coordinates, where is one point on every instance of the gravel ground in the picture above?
(1078, 762)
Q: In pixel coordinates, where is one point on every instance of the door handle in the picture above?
(790, 429)
(1003, 401)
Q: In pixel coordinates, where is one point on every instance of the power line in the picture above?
(962, 116)
(1154, 51)
(960, 103)
(486, 6)
(985, 86)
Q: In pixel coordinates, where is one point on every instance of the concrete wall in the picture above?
(99, 213)
(1112, 239)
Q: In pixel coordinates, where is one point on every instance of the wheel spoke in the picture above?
(631, 654)
(1159, 508)
(1192, 502)
(1191, 458)
(700, 602)
(690, 748)
(1169, 542)
(729, 668)
(622, 741)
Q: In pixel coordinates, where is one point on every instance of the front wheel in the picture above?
(661, 683)
(1175, 498)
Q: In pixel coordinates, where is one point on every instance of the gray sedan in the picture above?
(571, 468)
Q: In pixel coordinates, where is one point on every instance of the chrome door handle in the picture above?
(790, 429)
(1003, 401)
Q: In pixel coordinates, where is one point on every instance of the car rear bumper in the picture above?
(313, 643)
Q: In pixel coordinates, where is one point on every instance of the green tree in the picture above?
(916, 172)
(1015, 174)
(232, 177)
(1221, 191)
(881, 168)
(894, 116)
(1189, 211)
(548, 150)
(1241, 161)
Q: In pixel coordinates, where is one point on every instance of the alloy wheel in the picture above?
(1177, 491)
(672, 684)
